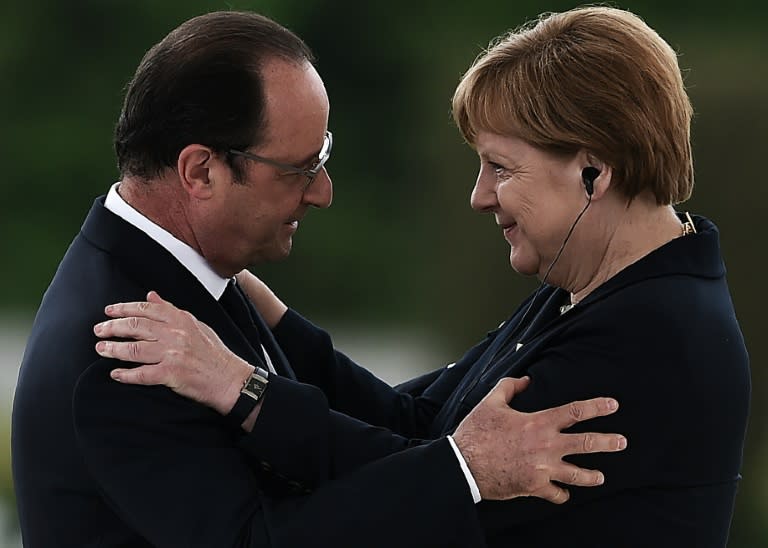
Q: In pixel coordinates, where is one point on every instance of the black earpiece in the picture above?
(588, 175)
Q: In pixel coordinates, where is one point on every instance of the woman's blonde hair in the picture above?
(593, 78)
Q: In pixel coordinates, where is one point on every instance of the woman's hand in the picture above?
(178, 351)
(266, 302)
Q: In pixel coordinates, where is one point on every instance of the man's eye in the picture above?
(313, 164)
(289, 174)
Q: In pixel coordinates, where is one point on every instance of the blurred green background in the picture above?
(400, 251)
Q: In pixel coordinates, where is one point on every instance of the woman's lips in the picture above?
(509, 231)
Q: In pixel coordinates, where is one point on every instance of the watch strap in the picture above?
(250, 395)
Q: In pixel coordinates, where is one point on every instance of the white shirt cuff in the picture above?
(473, 488)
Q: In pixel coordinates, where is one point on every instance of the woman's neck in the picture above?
(641, 228)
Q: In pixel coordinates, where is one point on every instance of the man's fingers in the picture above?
(553, 493)
(592, 442)
(573, 475)
(127, 328)
(578, 411)
(128, 351)
(506, 389)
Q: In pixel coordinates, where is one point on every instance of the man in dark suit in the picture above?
(221, 146)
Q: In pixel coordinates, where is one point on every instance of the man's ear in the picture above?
(194, 167)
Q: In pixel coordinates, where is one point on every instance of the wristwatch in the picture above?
(250, 395)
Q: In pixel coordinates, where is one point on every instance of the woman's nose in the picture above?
(483, 196)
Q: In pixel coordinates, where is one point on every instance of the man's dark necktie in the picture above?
(234, 304)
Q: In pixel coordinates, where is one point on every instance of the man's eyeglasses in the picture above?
(310, 173)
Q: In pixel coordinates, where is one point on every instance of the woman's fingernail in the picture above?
(97, 328)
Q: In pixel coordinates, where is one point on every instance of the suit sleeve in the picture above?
(415, 387)
(355, 391)
(173, 471)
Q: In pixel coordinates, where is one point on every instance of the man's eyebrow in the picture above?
(308, 159)
(303, 161)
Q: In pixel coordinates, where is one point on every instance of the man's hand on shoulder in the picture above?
(514, 454)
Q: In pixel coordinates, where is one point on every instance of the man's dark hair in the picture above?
(201, 84)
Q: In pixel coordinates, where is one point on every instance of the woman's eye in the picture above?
(498, 169)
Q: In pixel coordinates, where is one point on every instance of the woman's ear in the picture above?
(595, 176)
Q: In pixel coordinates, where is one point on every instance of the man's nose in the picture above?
(320, 192)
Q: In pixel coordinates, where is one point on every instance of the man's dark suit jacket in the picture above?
(99, 463)
(661, 337)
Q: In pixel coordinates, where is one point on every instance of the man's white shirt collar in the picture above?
(191, 259)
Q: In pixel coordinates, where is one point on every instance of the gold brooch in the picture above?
(688, 226)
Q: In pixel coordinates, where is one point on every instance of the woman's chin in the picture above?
(523, 266)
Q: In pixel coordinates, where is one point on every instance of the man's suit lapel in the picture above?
(151, 266)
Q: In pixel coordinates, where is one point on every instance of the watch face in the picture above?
(255, 386)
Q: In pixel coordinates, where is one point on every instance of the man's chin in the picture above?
(276, 254)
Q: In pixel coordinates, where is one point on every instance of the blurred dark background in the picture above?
(400, 250)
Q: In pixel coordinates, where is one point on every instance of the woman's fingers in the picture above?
(130, 351)
(148, 375)
(154, 308)
(128, 328)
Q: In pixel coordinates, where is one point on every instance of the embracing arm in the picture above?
(149, 443)
(489, 438)
(350, 388)
(263, 298)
